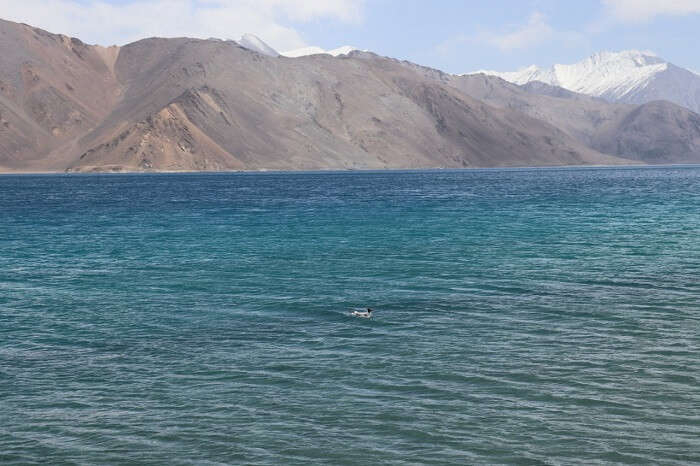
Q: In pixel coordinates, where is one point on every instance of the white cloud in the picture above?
(644, 10)
(534, 32)
(97, 21)
(307, 10)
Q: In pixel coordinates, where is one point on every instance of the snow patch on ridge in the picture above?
(254, 43)
(314, 50)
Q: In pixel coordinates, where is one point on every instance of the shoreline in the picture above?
(336, 171)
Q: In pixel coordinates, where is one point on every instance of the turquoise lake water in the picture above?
(545, 316)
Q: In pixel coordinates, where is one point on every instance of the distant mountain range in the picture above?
(629, 76)
(191, 104)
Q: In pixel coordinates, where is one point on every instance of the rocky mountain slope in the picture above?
(629, 76)
(656, 132)
(53, 90)
(214, 105)
(189, 104)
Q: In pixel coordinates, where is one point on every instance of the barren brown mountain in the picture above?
(189, 104)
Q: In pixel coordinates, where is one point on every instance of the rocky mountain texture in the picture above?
(53, 90)
(629, 77)
(213, 105)
(189, 104)
(655, 132)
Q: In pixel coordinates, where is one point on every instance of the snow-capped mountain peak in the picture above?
(628, 76)
(314, 50)
(253, 42)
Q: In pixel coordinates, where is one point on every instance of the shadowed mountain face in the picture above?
(187, 104)
(656, 133)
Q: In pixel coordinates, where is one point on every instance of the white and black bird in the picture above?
(364, 314)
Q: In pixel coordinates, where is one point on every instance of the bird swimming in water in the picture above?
(365, 314)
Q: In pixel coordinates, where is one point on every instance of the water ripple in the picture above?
(523, 317)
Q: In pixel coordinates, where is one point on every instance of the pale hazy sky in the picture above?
(455, 36)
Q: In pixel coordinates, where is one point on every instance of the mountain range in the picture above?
(630, 76)
(190, 104)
